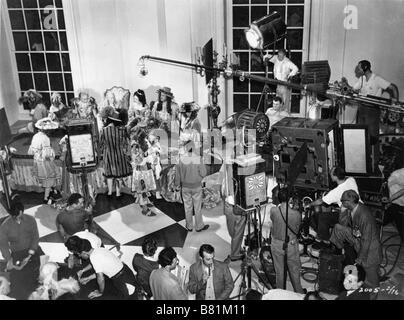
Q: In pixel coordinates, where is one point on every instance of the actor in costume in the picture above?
(44, 169)
(155, 153)
(210, 279)
(143, 178)
(360, 231)
(32, 100)
(114, 144)
(166, 110)
(190, 127)
(139, 108)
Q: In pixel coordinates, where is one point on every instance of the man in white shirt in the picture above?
(105, 263)
(326, 220)
(396, 190)
(277, 112)
(283, 70)
(371, 84)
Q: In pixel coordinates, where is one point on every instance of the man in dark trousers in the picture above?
(362, 233)
(19, 246)
(210, 279)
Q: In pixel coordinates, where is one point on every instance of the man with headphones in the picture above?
(371, 84)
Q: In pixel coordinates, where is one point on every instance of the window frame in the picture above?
(305, 46)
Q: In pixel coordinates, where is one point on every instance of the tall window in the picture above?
(246, 94)
(40, 46)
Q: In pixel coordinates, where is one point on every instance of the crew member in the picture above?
(326, 220)
(361, 232)
(370, 84)
(277, 112)
(284, 69)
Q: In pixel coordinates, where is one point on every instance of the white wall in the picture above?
(8, 91)
(379, 38)
(111, 35)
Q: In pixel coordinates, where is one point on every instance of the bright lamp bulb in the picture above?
(254, 37)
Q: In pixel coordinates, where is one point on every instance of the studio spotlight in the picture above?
(266, 31)
(143, 70)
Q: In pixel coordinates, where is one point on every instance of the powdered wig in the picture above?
(51, 288)
(30, 99)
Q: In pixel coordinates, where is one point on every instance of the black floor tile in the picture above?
(174, 210)
(171, 236)
(105, 204)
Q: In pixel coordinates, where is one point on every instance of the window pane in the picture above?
(70, 97)
(23, 62)
(38, 61)
(59, 3)
(259, 1)
(240, 1)
(257, 86)
(256, 62)
(17, 20)
(240, 102)
(69, 82)
(63, 41)
(51, 41)
(255, 100)
(295, 103)
(14, 3)
(296, 58)
(53, 60)
(32, 19)
(49, 20)
(240, 16)
(240, 86)
(45, 3)
(295, 1)
(295, 16)
(56, 82)
(46, 98)
(258, 12)
(277, 1)
(41, 81)
(30, 3)
(239, 40)
(26, 82)
(36, 41)
(244, 60)
(61, 20)
(20, 41)
(66, 62)
(295, 39)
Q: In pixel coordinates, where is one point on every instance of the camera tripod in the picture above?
(247, 265)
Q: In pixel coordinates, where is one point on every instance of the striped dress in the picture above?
(114, 143)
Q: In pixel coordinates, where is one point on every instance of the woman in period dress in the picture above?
(114, 145)
(139, 108)
(166, 110)
(44, 169)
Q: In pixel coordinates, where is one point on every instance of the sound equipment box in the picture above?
(330, 272)
(321, 138)
(317, 74)
(250, 183)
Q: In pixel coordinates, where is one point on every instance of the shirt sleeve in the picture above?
(384, 84)
(294, 69)
(332, 197)
(34, 236)
(358, 85)
(97, 264)
(4, 244)
(273, 59)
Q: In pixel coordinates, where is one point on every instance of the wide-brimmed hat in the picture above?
(167, 91)
(189, 107)
(46, 124)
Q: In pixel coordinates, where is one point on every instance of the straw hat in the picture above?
(46, 124)
(167, 91)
